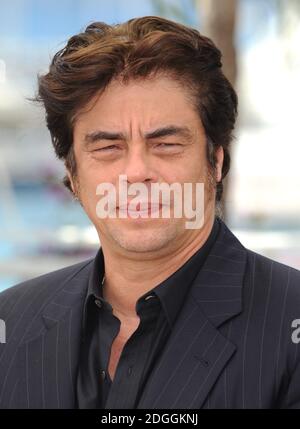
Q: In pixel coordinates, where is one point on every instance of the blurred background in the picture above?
(42, 228)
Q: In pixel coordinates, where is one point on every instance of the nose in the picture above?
(138, 165)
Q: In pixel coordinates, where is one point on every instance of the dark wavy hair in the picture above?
(137, 49)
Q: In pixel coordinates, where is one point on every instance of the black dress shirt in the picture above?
(157, 309)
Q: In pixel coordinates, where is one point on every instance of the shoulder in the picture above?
(273, 274)
(272, 303)
(274, 285)
(262, 274)
(42, 286)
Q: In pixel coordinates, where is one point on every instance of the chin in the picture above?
(148, 241)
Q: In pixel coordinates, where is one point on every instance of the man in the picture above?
(165, 315)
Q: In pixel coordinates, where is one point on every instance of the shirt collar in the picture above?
(171, 292)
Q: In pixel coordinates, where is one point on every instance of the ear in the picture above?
(71, 181)
(219, 163)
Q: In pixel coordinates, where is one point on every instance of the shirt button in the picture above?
(149, 296)
(129, 371)
(98, 303)
(103, 374)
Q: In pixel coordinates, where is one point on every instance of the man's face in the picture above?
(134, 110)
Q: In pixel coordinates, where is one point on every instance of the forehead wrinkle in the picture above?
(165, 131)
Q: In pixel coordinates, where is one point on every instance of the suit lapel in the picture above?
(196, 351)
(48, 354)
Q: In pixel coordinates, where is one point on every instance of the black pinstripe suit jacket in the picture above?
(234, 343)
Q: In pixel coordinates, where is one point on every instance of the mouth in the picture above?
(140, 208)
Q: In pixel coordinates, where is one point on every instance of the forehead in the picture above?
(149, 100)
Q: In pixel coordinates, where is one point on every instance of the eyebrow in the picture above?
(170, 130)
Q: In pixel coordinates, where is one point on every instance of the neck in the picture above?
(127, 277)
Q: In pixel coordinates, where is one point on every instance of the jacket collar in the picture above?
(218, 288)
(66, 296)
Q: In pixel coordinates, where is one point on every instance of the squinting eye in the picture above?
(103, 149)
(168, 144)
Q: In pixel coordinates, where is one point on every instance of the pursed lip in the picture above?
(140, 207)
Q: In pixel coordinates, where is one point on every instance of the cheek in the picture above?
(90, 174)
(194, 170)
